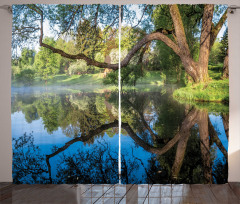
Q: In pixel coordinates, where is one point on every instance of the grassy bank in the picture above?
(216, 90)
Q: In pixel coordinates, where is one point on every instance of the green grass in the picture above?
(66, 80)
(215, 91)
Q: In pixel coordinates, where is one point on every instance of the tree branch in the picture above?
(216, 29)
(125, 61)
(213, 135)
(141, 16)
(96, 16)
(187, 123)
(149, 38)
(84, 138)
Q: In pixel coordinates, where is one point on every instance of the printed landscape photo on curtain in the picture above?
(174, 90)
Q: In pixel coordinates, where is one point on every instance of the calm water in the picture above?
(70, 136)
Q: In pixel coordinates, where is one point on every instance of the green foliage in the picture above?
(49, 108)
(129, 37)
(153, 78)
(130, 74)
(166, 57)
(69, 47)
(215, 71)
(27, 57)
(88, 38)
(211, 107)
(114, 55)
(26, 76)
(30, 112)
(214, 53)
(111, 78)
(45, 61)
(24, 65)
(223, 46)
(99, 57)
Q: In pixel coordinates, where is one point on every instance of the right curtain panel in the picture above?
(174, 94)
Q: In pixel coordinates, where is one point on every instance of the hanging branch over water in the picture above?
(89, 61)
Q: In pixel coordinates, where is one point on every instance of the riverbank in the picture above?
(216, 90)
(213, 91)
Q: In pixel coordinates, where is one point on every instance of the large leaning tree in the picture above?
(29, 21)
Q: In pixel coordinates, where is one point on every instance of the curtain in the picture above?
(131, 94)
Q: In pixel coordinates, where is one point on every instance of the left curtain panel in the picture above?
(64, 113)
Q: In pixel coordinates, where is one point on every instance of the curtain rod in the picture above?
(231, 8)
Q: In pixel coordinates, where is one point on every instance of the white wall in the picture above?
(5, 79)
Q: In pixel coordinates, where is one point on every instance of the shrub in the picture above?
(78, 67)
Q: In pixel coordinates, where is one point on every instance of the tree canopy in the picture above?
(95, 27)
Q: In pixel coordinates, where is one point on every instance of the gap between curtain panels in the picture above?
(119, 98)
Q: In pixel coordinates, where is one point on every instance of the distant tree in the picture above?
(223, 46)
(224, 54)
(214, 54)
(68, 46)
(46, 61)
(27, 57)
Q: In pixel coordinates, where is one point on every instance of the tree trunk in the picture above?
(180, 153)
(190, 67)
(225, 118)
(205, 45)
(197, 70)
(225, 67)
(205, 146)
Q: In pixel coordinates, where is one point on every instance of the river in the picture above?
(70, 135)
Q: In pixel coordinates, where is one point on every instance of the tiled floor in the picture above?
(74, 194)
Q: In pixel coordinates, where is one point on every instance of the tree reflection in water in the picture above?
(181, 140)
